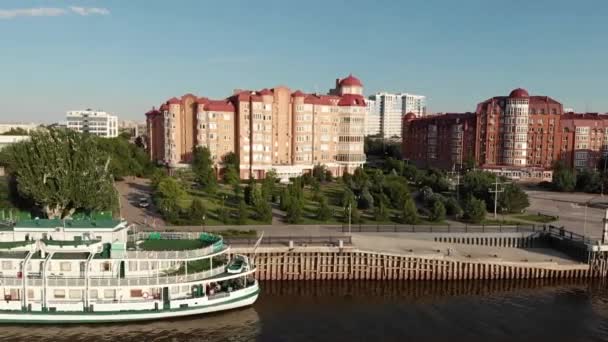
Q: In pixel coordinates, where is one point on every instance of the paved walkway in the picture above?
(130, 190)
(575, 210)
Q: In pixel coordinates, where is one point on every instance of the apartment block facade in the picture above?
(93, 122)
(270, 129)
(519, 136)
(389, 109)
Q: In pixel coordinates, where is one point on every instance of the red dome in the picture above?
(409, 116)
(519, 92)
(351, 81)
(298, 94)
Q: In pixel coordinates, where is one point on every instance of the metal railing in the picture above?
(284, 240)
(406, 228)
(160, 280)
(169, 255)
(135, 281)
(560, 232)
(183, 254)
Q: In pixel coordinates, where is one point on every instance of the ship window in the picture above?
(65, 266)
(105, 266)
(7, 265)
(132, 265)
(75, 294)
(136, 293)
(93, 294)
(143, 266)
(30, 293)
(59, 293)
(110, 294)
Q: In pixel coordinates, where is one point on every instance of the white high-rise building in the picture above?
(390, 108)
(94, 122)
(372, 118)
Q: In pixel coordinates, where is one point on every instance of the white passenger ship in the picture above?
(64, 271)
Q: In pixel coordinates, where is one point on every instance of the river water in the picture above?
(537, 310)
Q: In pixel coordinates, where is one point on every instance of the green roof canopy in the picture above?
(54, 223)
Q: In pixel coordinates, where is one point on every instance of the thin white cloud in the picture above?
(89, 10)
(32, 12)
(51, 12)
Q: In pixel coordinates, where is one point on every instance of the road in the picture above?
(130, 190)
(571, 208)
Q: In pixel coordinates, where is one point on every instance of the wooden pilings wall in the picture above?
(360, 265)
(530, 241)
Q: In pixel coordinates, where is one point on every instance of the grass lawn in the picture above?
(172, 245)
(535, 218)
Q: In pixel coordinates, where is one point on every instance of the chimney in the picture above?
(337, 83)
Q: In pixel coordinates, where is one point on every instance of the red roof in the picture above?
(519, 93)
(298, 94)
(318, 99)
(265, 92)
(351, 81)
(163, 107)
(152, 111)
(352, 100)
(202, 100)
(219, 106)
(174, 100)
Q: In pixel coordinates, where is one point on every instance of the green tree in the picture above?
(168, 195)
(563, 178)
(242, 213)
(475, 210)
(285, 199)
(230, 159)
(323, 211)
(16, 131)
(198, 211)
(319, 172)
(366, 200)
(348, 198)
(437, 211)
(262, 207)
(513, 199)
(380, 212)
(360, 179)
(202, 166)
(269, 185)
(588, 181)
(231, 175)
(223, 214)
(396, 190)
(294, 211)
(409, 213)
(61, 171)
(316, 189)
(452, 207)
(249, 189)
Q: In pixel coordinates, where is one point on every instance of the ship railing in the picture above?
(67, 282)
(173, 255)
(160, 280)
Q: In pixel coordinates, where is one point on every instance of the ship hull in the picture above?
(238, 299)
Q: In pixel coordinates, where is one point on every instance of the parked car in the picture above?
(143, 202)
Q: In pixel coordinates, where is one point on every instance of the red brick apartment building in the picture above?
(269, 129)
(519, 136)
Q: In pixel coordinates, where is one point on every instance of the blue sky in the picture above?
(125, 56)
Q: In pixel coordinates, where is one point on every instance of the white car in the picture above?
(143, 202)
